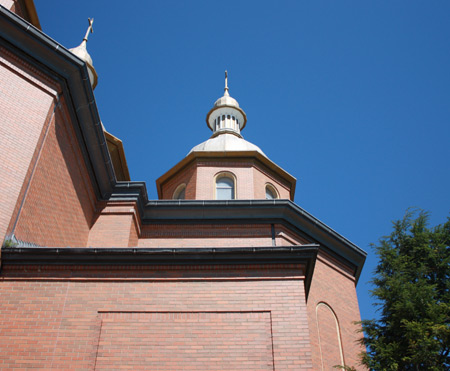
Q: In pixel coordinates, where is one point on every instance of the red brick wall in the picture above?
(199, 235)
(261, 178)
(333, 286)
(134, 233)
(59, 204)
(217, 235)
(246, 318)
(26, 110)
(116, 224)
(329, 335)
(26, 107)
(187, 176)
(285, 237)
(185, 340)
(207, 171)
(199, 177)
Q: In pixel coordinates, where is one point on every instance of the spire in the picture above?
(226, 116)
(81, 52)
(226, 84)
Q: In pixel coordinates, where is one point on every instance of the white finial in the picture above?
(226, 83)
(90, 29)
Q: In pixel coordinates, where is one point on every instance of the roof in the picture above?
(226, 142)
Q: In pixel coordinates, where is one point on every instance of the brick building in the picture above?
(223, 272)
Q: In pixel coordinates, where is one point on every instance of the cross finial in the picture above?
(90, 29)
(226, 83)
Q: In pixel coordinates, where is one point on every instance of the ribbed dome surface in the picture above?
(226, 142)
(226, 100)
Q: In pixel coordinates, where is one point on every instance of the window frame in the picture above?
(273, 190)
(229, 175)
(178, 190)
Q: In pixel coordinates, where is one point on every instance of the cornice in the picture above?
(257, 211)
(305, 254)
(280, 211)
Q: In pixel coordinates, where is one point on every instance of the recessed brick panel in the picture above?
(335, 287)
(185, 341)
(329, 337)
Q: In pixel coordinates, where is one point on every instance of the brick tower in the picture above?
(223, 272)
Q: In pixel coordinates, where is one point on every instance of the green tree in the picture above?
(412, 288)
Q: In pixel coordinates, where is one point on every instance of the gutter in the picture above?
(256, 211)
(304, 254)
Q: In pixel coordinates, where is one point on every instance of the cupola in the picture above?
(226, 115)
(226, 119)
(226, 166)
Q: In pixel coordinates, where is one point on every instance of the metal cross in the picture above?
(90, 28)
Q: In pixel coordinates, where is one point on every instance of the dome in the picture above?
(226, 142)
(81, 52)
(226, 100)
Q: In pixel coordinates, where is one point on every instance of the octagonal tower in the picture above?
(226, 166)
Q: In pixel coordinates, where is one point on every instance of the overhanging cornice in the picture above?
(242, 211)
(256, 211)
(305, 254)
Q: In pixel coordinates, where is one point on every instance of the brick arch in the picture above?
(329, 335)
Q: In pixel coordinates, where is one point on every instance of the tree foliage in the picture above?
(412, 285)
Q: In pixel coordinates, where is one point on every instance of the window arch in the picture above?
(225, 186)
(271, 192)
(180, 192)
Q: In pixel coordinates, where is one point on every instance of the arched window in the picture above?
(180, 192)
(271, 192)
(225, 187)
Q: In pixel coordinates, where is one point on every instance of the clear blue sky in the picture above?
(350, 97)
